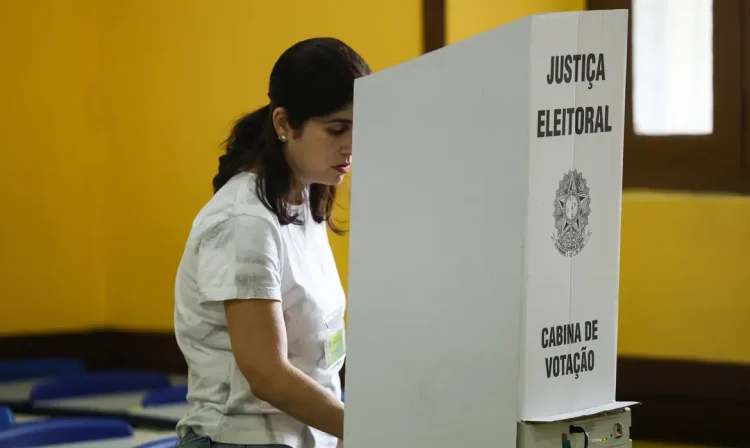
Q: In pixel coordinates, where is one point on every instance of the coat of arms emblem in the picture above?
(572, 209)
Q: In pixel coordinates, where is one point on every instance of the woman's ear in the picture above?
(281, 124)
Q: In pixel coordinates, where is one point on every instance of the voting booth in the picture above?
(485, 241)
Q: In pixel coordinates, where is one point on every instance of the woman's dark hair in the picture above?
(313, 78)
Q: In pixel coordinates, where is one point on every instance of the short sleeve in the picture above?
(240, 258)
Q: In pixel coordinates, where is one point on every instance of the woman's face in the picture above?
(320, 152)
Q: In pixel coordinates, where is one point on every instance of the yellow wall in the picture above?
(50, 150)
(465, 18)
(146, 91)
(177, 74)
(684, 289)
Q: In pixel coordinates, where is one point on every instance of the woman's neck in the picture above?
(296, 196)
(296, 190)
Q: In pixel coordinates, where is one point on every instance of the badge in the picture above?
(335, 341)
(335, 347)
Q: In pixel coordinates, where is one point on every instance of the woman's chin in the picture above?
(332, 180)
(339, 179)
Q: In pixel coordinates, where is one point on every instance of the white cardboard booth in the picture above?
(485, 241)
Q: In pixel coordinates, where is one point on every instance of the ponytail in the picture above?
(252, 144)
(242, 146)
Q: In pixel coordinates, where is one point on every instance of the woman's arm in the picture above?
(258, 337)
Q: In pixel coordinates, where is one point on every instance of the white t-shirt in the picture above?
(238, 250)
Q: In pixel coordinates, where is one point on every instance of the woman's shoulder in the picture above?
(243, 196)
(236, 200)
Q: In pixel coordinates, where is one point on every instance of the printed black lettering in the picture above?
(569, 120)
(584, 366)
(600, 76)
(594, 329)
(574, 363)
(573, 120)
(540, 124)
(569, 365)
(568, 76)
(570, 332)
(588, 68)
(589, 126)
(607, 126)
(551, 74)
(599, 127)
(579, 120)
(548, 364)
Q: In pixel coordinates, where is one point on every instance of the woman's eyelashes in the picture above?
(338, 130)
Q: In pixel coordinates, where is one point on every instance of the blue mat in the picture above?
(63, 430)
(98, 384)
(169, 395)
(6, 417)
(27, 369)
(170, 442)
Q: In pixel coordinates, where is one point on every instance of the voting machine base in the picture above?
(610, 430)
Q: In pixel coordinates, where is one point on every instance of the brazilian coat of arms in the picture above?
(572, 209)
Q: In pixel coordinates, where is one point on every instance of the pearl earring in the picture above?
(282, 138)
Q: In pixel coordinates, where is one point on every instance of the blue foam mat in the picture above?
(63, 430)
(30, 368)
(6, 417)
(170, 442)
(169, 395)
(99, 383)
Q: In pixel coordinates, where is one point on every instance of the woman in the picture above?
(259, 304)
